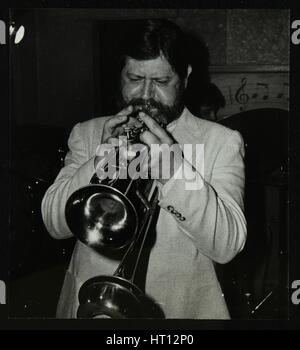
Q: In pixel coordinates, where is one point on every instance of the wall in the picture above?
(54, 69)
(257, 58)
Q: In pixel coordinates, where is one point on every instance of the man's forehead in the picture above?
(155, 66)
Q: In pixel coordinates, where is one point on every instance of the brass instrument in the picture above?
(111, 216)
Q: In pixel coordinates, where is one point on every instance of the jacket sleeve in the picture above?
(76, 173)
(212, 214)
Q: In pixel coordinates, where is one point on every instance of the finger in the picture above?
(115, 121)
(113, 128)
(118, 119)
(126, 111)
(149, 138)
(113, 141)
(117, 131)
(134, 121)
(155, 128)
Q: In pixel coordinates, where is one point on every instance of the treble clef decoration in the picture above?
(240, 95)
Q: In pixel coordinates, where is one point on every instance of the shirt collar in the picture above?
(171, 126)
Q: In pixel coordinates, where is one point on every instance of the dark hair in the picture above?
(150, 38)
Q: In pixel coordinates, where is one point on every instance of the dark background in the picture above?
(56, 66)
(60, 77)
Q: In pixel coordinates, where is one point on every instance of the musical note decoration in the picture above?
(252, 90)
(264, 88)
(284, 92)
(240, 96)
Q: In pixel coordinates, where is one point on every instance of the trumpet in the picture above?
(113, 216)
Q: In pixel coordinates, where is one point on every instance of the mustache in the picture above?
(147, 106)
(163, 114)
(155, 109)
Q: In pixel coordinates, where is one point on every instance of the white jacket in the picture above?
(181, 275)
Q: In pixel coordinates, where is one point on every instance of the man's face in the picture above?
(153, 86)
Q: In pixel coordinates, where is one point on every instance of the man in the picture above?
(197, 227)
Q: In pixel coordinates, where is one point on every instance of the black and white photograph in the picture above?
(149, 164)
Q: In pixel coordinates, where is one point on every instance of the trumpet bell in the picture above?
(115, 297)
(101, 216)
(110, 297)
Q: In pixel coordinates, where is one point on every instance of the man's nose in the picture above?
(147, 90)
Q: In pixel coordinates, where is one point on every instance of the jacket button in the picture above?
(170, 208)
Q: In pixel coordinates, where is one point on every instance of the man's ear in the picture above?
(189, 71)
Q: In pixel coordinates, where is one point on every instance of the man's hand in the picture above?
(113, 127)
(159, 136)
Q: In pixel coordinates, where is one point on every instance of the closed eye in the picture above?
(135, 79)
(162, 81)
